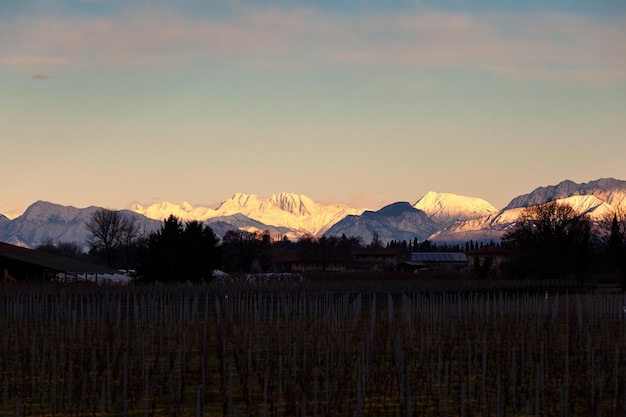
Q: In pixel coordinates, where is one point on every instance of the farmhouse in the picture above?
(356, 260)
(488, 259)
(376, 259)
(19, 264)
(293, 260)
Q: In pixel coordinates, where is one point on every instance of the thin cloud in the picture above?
(41, 77)
(519, 46)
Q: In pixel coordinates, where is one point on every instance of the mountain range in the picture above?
(439, 217)
(597, 199)
(298, 213)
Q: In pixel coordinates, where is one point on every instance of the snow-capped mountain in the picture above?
(440, 217)
(397, 221)
(298, 213)
(401, 221)
(609, 190)
(284, 214)
(597, 199)
(183, 211)
(447, 208)
(238, 221)
(43, 220)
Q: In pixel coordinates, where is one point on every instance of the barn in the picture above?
(438, 261)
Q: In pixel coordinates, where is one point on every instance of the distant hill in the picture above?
(397, 221)
(43, 220)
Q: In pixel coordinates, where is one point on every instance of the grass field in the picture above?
(317, 348)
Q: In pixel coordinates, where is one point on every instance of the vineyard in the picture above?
(311, 349)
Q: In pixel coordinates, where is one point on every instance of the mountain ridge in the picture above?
(597, 199)
(396, 221)
(446, 208)
(610, 190)
(294, 211)
(441, 217)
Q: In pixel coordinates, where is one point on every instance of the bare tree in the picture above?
(129, 239)
(551, 240)
(109, 232)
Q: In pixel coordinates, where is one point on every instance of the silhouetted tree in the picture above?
(178, 252)
(265, 259)
(375, 243)
(66, 249)
(240, 250)
(308, 251)
(129, 241)
(327, 251)
(550, 241)
(110, 231)
(613, 232)
(425, 246)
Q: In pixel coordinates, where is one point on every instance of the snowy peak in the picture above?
(598, 199)
(297, 212)
(294, 211)
(609, 190)
(43, 220)
(50, 212)
(240, 203)
(591, 205)
(447, 208)
(296, 204)
(394, 210)
(436, 216)
(397, 221)
(183, 211)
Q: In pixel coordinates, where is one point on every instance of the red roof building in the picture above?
(18, 263)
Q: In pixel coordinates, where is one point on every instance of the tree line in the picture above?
(551, 240)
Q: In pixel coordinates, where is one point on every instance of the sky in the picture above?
(361, 102)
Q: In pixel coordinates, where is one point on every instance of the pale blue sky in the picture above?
(112, 102)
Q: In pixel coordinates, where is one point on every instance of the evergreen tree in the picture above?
(375, 240)
(178, 253)
(617, 251)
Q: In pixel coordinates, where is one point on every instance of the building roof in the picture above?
(438, 257)
(5, 247)
(50, 261)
